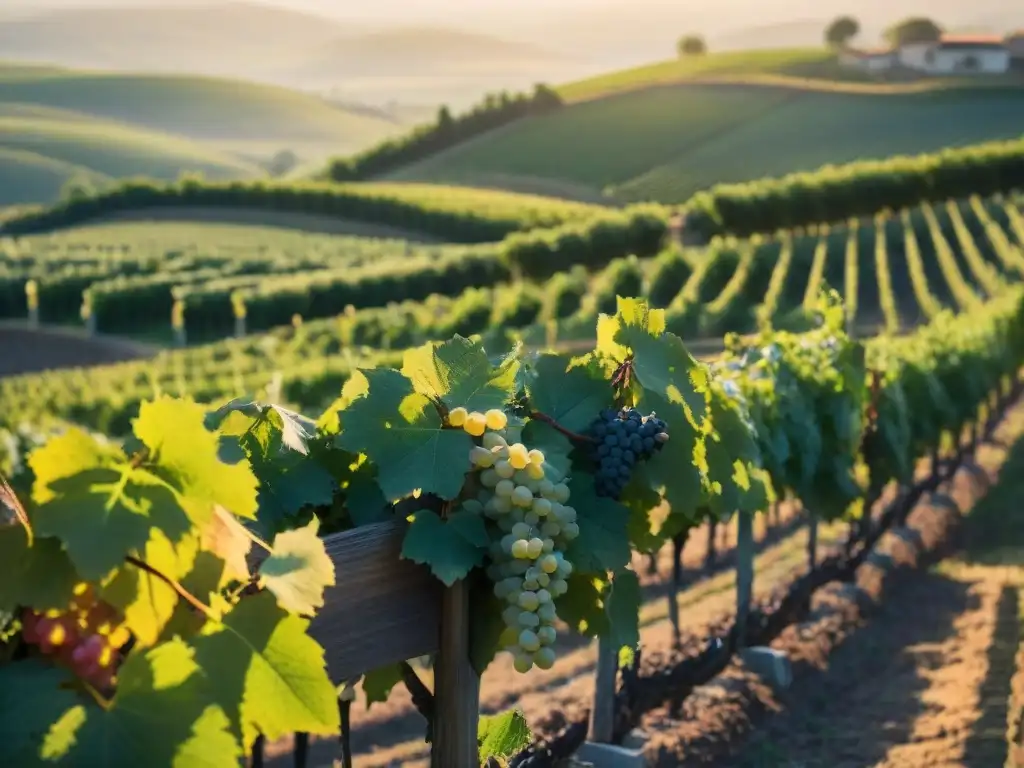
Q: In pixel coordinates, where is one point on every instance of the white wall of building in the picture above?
(929, 57)
(915, 55)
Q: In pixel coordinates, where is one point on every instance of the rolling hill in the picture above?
(27, 177)
(665, 131)
(57, 123)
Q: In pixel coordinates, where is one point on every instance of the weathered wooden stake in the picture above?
(678, 544)
(456, 686)
(744, 573)
(709, 554)
(812, 542)
(602, 716)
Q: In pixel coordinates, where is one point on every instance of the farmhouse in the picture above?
(950, 54)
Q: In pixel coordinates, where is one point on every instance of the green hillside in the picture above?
(116, 150)
(29, 177)
(209, 109)
(665, 143)
(55, 124)
(802, 62)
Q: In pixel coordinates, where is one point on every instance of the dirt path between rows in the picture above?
(924, 680)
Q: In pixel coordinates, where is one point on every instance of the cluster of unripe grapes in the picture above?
(622, 439)
(531, 526)
(85, 637)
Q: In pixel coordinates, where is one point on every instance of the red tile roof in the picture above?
(972, 40)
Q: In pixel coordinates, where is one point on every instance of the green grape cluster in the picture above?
(531, 525)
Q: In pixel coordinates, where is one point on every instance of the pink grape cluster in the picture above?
(85, 637)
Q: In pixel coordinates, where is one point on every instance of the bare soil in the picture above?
(921, 679)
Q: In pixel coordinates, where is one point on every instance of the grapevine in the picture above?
(127, 584)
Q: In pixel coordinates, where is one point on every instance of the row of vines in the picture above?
(530, 479)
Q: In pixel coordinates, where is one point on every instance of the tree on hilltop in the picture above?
(915, 29)
(841, 31)
(691, 45)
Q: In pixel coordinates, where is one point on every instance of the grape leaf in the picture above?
(39, 576)
(288, 480)
(298, 569)
(65, 456)
(674, 469)
(572, 397)
(582, 607)
(364, 501)
(355, 386)
(159, 716)
(663, 365)
(630, 313)
(226, 538)
(400, 431)
(732, 455)
(126, 504)
(32, 700)
(377, 683)
(296, 430)
(623, 607)
(647, 514)
(460, 373)
(288, 484)
(186, 456)
(147, 601)
(503, 734)
(451, 547)
(266, 673)
(602, 544)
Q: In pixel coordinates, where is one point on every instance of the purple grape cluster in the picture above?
(623, 439)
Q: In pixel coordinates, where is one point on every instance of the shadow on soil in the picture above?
(995, 537)
(847, 714)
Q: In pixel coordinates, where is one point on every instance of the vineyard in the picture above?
(519, 478)
(896, 270)
(530, 482)
(667, 143)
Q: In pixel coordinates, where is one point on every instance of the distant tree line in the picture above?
(447, 130)
(913, 29)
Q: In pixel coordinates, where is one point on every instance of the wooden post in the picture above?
(744, 573)
(456, 686)
(178, 322)
(812, 542)
(32, 300)
(602, 716)
(709, 554)
(678, 544)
